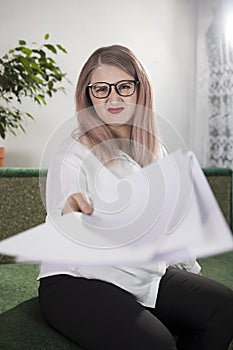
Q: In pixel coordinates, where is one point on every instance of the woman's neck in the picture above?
(122, 131)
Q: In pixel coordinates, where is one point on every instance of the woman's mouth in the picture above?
(115, 110)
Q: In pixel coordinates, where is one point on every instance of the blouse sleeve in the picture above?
(66, 176)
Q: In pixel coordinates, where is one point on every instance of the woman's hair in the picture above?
(97, 136)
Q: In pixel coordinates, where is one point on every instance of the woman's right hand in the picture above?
(78, 202)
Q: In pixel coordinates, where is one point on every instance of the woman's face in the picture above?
(114, 110)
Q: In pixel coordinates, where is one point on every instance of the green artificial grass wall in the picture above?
(21, 205)
(22, 172)
(220, 181)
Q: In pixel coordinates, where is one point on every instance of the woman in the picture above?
(114, 307)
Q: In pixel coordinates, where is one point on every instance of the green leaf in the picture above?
(30, 116)
(61, 48)
(50, 61)
(27, 72)
(51, 48)
(36, 79)
(62, 89)
(22, 42)
(22, 128)
(27, 51)
(39, 99)
(25, 62)
(40, 52)
(2, 133)
(35, 66)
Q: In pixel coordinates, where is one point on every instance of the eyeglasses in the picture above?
(124, 88)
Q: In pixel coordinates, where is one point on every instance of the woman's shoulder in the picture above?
(71, 150)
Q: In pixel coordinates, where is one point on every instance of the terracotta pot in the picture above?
(2, 155)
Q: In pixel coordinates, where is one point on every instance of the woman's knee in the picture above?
(222, 318)
(152, 334)
(226, 310)
(166, 342)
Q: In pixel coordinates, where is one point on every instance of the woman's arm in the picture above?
(66, 186)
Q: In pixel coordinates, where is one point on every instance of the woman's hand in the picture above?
(78, 202)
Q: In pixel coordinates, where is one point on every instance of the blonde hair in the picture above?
(93, 133)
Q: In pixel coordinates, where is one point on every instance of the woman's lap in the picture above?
(199, 309)
(99, 315)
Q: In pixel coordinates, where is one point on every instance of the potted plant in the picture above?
(27, 72)
(2, 155)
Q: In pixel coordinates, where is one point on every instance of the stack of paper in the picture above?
(166, 211)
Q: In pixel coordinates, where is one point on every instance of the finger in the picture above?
(70, 205)
(88, 198)
(82, 202)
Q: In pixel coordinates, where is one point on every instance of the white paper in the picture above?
(164, 212)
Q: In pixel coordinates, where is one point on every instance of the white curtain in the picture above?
(219, 47)
(212, 128)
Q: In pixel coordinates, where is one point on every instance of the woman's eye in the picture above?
(124, 86)
(99, 89)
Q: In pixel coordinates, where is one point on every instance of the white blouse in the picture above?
(75, 169)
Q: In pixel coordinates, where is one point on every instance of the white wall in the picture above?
(161, 33)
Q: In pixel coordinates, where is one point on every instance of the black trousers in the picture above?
(99, 315)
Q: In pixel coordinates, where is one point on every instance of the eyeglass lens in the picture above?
(123, 88)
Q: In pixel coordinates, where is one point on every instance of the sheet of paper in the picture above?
(164, 212)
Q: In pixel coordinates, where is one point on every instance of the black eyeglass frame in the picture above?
(136, 82)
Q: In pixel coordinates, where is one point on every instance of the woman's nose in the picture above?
(114, 96)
